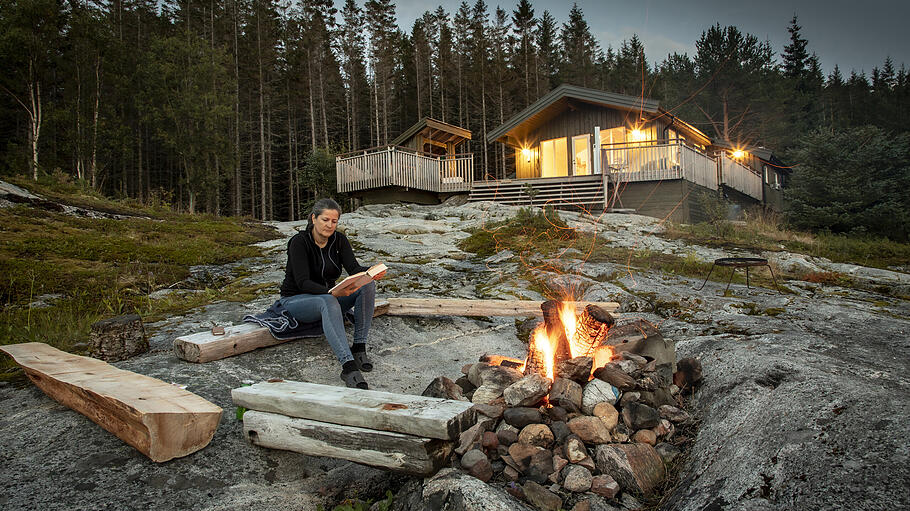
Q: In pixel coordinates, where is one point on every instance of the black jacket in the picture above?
(313, 270)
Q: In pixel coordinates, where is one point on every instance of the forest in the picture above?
(238, 107)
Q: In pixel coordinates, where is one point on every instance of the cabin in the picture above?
(579, 148)
(425, 164)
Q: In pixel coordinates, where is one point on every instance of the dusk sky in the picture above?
(854, 35)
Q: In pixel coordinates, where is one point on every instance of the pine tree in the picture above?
(523, 23)
(547, 55)
(796, 56)
(579, 50)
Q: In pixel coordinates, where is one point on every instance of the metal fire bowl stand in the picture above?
(740, 262)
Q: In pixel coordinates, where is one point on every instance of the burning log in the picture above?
(555, 330)
(592, 328)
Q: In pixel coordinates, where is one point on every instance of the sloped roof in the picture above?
(562, 98)
(557, 100)
(434, 130)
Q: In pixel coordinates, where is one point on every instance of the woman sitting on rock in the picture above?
(315, 259)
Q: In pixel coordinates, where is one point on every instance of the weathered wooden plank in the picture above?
(450, 307)
(393, 451)
(401, 413)
(160, 420)
(204, 347)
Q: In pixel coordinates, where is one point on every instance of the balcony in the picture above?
(657, 161)
(406, 168)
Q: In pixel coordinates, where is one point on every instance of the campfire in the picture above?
(592, 412)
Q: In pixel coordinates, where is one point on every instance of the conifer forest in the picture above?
(238, 107)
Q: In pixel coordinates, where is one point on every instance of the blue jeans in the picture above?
(310, 308)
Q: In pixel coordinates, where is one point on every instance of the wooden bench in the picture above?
(160, 420)
(412, 434)
(204, 347)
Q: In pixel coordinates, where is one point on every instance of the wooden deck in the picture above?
(406, 168)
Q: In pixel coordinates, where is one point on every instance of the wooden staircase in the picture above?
(559, 192)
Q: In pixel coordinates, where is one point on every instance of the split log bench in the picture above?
(411, 434)
(160, 420)
(205, 347)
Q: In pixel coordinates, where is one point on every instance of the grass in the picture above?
(767, 232)
(101, 268)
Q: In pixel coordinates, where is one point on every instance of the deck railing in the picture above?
(655, 161)
(740, 177)
(398, 166)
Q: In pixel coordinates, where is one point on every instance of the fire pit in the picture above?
(740, 262)
(594, 411)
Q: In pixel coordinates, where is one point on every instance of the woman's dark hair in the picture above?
(320, 207)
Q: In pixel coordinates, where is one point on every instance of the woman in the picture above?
(315, 259)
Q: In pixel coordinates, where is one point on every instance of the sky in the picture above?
(855, 35)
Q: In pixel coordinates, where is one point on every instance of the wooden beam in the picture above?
(160, 420)
(204, 347)
(401, 413)
(394, 451)
(451, 307)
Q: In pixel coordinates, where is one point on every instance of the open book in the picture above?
(357, 280)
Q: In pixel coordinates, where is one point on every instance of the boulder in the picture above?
(444, 388)
(638, 416)
(605, 486)
(536, 434)
(566, 394)
(590, 429)
(526, 391)
(598, 391)
(636, 467)
(520, 417)
(454, 489)
(577, 479)
(541, 498)
(608, 414)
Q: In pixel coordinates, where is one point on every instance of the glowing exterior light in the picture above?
(526, 153)
(636, 134)
(738, 153)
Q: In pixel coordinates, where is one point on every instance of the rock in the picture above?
(657, 398)
(521, 455)
(471, 436)
(560, 431)
(493, 411)
(452, 489)
(536, 434)
(612, 374)
(510, 473)
(444, 388)
(474, 371)
(559, 463)
(648, 382)
(629, 502)
(627, 366)
(621, 433)
(608, 414)
(636, 467)
(522, 416)
(673, 414)
(118, 338)
(527, 391)
(486, 394)
(588, 463)
(638, 416)
(506, 437)
(664, 430)
(540, 466)
(629, 397)
(557, 413)
(482, 470)
(575, 449)
(688, 373)
(668, 452)
(605, 486)
(590, 429)
(582, 505)
(489, 440)
(541, 498)
(638, 359)
(500, 376)
(597, 391)
(471, 458)
(566, 394)
(645, 436)
(577, 479)
(577, 369)
(465, 384)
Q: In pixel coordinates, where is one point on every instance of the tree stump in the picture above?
(118, 338)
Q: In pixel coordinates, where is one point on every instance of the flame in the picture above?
(545, 347)
(568, 318)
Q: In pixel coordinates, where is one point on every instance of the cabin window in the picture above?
(764, 169)
(554, 158)
(581, 159)
(616, 156)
